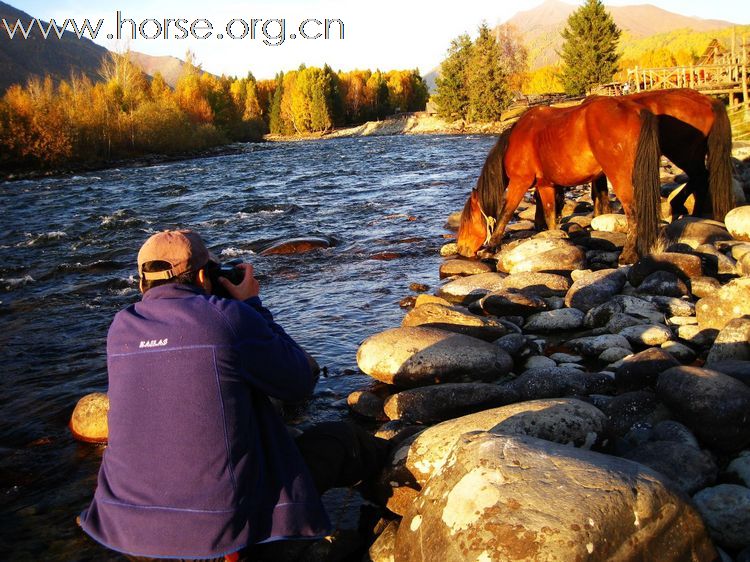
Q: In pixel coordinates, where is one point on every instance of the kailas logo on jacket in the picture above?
(154, 343)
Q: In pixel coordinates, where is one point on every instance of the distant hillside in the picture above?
(542, 25)
(170, 68)
(22, 58)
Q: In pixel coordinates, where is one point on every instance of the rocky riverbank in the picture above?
(550, 405)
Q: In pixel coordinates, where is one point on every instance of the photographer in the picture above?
(199, 464)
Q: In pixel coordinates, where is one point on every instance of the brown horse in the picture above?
(695, 134)
(549, 147)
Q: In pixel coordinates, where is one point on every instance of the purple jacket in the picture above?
(199, 464)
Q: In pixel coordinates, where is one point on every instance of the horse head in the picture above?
(475, 228)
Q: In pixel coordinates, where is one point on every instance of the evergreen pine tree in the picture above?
(451, 96)
(589, 52)
(487, 79)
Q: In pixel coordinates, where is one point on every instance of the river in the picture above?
(68, 247)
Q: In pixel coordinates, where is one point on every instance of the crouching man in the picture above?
(199, 464)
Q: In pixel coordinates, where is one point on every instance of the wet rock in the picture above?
(468, 289)
(732, 343)
(738, 223)
(559, 420)
(713, 405)
(383, 549)
(449, 249)
(537, 284)
(513, 344)
(295, 246)
(694, 231)
(679, 351)
(493, 502)
(632, 408)
(554, 320)
(543, 255)
(614, 354)
(670, 430)
(408, 302)
(731, 301)
(739, 370)
(89, 420)
(740, 467)
(642, 369)
(419, 287)
(454, 319)
(684, 266)
(704, 286)
(663, 283)
(558, 382)
(408, 357)
(610, 222)
(539, 362)
(646, 334)
(463, 267)
(430, 404)
(595, 288)
(366, 404)
(511, 302)
(726, 510)
(633, 306)
(691, 469)
(592, 346)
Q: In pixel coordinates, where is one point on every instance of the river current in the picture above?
(68, 248)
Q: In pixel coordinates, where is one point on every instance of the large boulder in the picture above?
(454, 319)
(408, 357)
(503, 497)
(543, 254)
(732, 343)
(595, 288)
(695, 231)
(715, 406)
(89, 420)
(431, 404)
(559, 420)
(738, 223)
(731, 301)
(472, 287)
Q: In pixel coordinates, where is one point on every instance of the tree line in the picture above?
(44, 124)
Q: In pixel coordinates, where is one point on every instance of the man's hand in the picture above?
(248, 287)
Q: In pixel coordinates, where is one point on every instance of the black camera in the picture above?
(228, 270)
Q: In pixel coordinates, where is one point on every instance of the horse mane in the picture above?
(492, 181)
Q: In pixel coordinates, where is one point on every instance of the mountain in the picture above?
(541, 26)
(21, 58)
(170, 68)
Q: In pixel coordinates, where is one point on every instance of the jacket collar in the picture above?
(172, 291)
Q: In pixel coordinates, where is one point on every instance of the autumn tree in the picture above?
(452, 97)
(589, 51)
(487, 80)
(513, 55)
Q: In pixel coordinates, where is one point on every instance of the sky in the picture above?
(384, 34)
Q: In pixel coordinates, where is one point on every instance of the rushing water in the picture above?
(68, 248)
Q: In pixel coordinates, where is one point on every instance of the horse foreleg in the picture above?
(513, 195)
(600, 196)
(547, 205)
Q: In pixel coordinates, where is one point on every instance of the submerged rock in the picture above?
(408, 357)
(295, 246)
(503, 497)
(89, 420)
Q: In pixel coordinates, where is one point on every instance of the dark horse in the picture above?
(549, 147)
(695, 134)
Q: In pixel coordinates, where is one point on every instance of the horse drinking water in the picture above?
(549, 147)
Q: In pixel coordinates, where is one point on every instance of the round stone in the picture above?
(89, 419)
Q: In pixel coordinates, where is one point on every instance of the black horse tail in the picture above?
(493, 180)
(646, 183)
(720, 163)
